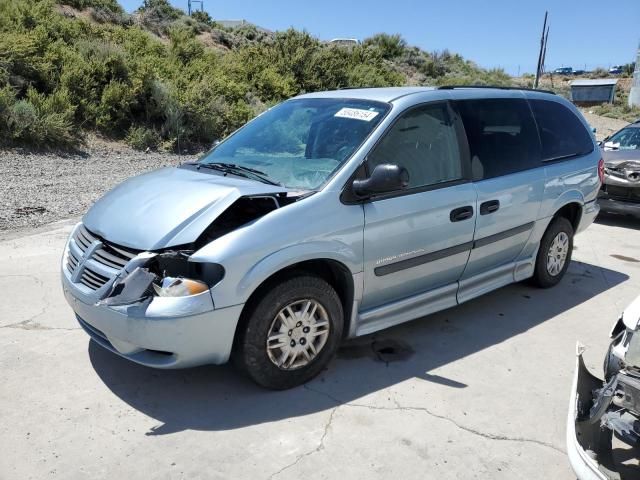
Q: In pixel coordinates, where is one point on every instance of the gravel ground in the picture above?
(604, 126)
(36, 188)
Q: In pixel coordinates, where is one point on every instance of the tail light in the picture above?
(601, 170)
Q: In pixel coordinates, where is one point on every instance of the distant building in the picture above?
(634, 94)
(593, 92)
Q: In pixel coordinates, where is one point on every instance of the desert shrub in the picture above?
(61, 75)
(159, 15)
(390, 46)
(7, 99)
(202, 17)
(105, 15)
(599, 73)
(22, 121)
(106, 5)
(142, 138)
(184, 46)
(113, 114)
(43, 120)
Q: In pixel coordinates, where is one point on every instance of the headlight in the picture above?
(179, 287)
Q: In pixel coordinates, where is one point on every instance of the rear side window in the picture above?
(562, 134)
(502, 136)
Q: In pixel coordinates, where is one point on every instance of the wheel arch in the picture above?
(572, 211)
(334, 272)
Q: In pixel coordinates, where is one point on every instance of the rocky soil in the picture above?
(604, 126)
(39, 188)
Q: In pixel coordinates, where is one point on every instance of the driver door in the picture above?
(417, 240)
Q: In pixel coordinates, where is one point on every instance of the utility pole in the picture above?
(191, 2)
(634, 94)
(543, 50)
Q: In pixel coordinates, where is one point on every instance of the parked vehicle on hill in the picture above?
(333, 215)
(620, 191)
(563, 71)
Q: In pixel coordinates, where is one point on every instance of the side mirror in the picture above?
(384, 178)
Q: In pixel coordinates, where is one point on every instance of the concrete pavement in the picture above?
(477, 391)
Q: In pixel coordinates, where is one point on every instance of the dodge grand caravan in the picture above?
(329, 216)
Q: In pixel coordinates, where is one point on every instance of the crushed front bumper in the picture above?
(585, 464)
(160, 332)
(596, 410)
(618, 197)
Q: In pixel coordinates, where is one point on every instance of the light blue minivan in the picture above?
(330, 216)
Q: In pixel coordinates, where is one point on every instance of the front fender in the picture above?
(288, 256)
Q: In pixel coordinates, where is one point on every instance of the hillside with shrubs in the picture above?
(159, 79)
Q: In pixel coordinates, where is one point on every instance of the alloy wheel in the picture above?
(297, 334)
(557, 254)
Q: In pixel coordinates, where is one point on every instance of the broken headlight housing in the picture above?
(167, 274)
(179, 287)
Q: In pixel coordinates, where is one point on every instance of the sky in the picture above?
(493, 33)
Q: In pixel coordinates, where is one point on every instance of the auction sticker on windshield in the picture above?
(357, 114)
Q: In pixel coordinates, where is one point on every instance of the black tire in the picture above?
(251, 349)
(541, 276)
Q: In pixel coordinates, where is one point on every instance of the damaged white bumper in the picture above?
(600, 410)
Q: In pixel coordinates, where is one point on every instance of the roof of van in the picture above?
(389, 94)
(386, 94)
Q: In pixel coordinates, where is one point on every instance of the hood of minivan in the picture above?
(167, 207)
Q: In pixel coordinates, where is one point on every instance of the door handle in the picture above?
(461, 213)
(489, 207)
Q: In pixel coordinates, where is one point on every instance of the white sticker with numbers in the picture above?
(357, 114)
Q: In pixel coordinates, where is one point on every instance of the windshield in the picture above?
(625, 139)
(300, 143)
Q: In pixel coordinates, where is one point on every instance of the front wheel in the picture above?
(291, 333)
(554, 254)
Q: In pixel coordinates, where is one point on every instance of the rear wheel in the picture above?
(554, 254)
(291, 332)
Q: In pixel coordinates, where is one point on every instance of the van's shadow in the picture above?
(618, 220)
(218, 398)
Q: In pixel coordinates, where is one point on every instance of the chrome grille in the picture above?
(104, 262)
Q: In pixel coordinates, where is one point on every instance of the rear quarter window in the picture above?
(502, 136)
(562, 133)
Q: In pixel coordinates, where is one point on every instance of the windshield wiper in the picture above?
(240, 171)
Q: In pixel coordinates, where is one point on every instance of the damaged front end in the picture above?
(620, 191)
(167, 274)
(603, 431)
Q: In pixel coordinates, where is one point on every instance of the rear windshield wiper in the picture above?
(240, 171)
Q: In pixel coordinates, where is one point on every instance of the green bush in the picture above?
(43, 121)
(161, 79)
(202, 17)
(390, 46)
(107, 5)
(113, 114)
(7, 100)
(142, 138)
